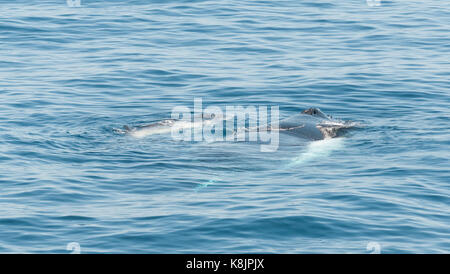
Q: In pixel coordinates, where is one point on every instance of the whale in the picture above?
(313, 124)
(310, 124)
(166, 126)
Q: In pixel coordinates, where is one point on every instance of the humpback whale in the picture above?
(310, 124)
(313, 124)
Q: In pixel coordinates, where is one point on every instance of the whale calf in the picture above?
(310, 124)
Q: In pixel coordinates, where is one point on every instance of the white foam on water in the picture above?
(318, 150)
(204, 185)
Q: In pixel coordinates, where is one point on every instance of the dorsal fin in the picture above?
(315, 112)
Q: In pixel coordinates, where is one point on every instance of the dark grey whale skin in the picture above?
(305, 124)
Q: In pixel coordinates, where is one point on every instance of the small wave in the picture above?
(204, 185)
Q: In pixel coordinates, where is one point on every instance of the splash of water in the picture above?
(204, 185)
(330, 129)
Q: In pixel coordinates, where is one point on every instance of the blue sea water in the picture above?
(69, 76)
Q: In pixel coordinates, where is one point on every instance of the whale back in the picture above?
(312, 124)
(302, 125)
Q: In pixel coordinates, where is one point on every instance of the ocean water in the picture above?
(69, 76)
